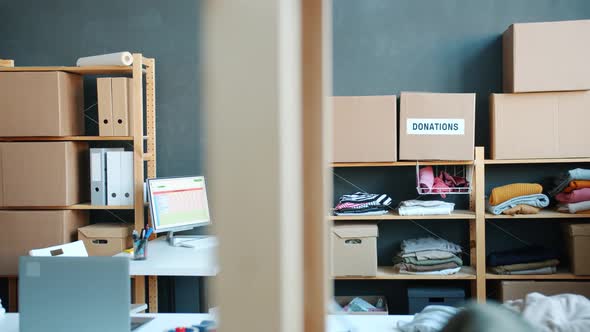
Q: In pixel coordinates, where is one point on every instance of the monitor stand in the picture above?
(188, 241)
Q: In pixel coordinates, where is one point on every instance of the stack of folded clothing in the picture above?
(528, 260)
(428, 256)
(572, 191)
(441, 184)
(424, 208)
(517, 198)
(363, 204)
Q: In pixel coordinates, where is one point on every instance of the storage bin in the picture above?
(578, 247)
(106, 239)
(354, 249)
(345, 300)
(420, 297)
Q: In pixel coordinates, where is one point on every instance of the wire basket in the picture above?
(444, 179)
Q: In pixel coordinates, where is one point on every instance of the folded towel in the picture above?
(521, 255)
(366, 213)
(575, 196)
(564, 180)
(504, 193)
(576, 184)
(426, 211)
(574, 207)
(428, 262)
(521, 209)
(428, 254)
(426, 268)
(428, 243)
(416, 202)
(432, 318)
(543, 270)
(444, 272)
(536, 200)
(502, 269)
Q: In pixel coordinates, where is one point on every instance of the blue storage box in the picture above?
(420, 297)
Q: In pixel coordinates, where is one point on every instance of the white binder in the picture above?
(113, 159)
(98, 169)
(127, 178)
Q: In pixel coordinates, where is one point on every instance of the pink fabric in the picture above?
(426, 178)
(576, 196)
(440, 187)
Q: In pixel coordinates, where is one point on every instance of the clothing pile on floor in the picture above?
(441, 184)
(363, 204)
(517, 198)
(428, 256)
(524, 261)
(424, 208)
(572, 191)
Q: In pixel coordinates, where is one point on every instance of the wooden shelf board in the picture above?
(393, 215)
(65, 138)
(90, 70)
(388, 273)
(560, 275)
(543, 214)
(403, 163)
(536, 161)
(82, 206)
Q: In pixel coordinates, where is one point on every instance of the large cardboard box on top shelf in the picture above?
(365, 128)
(514, 290)
(540, 125)
(577, 239)
(437, 126)
(546, 56)
(41, 104)
(43, 173)
(354, 249)
(23, 231)
(105, 239)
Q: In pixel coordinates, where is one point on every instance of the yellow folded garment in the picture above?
(522, 209)
(502, 194)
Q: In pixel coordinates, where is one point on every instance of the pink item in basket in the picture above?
(426, 178)
(440, 187)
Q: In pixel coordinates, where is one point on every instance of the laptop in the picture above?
(67, 294)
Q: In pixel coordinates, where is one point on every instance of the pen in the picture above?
(142, 234)
(149, 232)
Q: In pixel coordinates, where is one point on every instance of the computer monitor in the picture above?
(178, 204)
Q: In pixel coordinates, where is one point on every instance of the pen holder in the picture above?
(140, 249)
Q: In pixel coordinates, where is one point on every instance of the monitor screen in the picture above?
(178, 203)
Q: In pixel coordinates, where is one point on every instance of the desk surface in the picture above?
(164, 322)
(166, 260)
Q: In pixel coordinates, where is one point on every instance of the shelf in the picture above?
(404, 163)
(89, 70)
(393, 215)
(388, 273)
(82, 206)
(65, 138)
(543, 214)
(560, 275)
(536, 161)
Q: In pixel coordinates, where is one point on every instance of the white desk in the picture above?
(164, 322)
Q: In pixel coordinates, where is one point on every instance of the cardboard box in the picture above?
(548, 56)
(365, 128)
(23, 231)
(540, 125)
(437, 126)
(43, 173)
(106, 239)
(514, 290)
(354, 249)
(41, 104)
(345, 300)
(104, 96)
(578, 247)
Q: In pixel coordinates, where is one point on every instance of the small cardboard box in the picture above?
(437, 126)
(365, 128)
(43, 173)
(354, 249)
(514, 290)
(578, 247)
(105, 239)
(23, 231)
(345, 300)
(41, 104)
(546, 56)
(540, 125)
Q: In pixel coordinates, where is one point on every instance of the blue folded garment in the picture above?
(536, 200)
(521, 255)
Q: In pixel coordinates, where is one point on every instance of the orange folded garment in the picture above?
(522, 209)
(577, 184)
(504, 193)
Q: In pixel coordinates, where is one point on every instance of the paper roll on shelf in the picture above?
(112, 59)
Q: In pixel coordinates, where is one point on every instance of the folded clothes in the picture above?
(444, 272)
(504, 193)
(363, 204)
(501, 269)
(426, 211)
(564, 180)
(427, 244)
(521, 255)
(362, 197)
(576, 184)
(361, 210)
(536, 200)
(543, 270)
(426, 268)
(521, 209)
(575, 196)
(428, 254)
(367, 213)
(574, 207)
(428, 262)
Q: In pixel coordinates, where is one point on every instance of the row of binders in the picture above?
(111, 176)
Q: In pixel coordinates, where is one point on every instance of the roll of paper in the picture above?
(112, 59)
